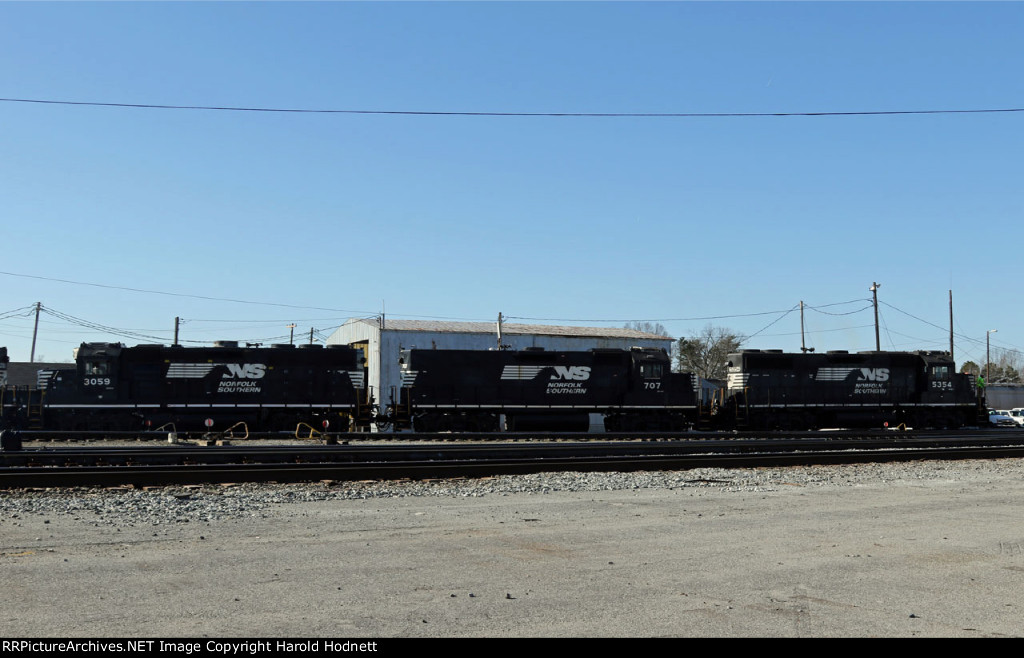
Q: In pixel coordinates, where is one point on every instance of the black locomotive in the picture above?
(534, 389)
(113, 387)
(770, 389)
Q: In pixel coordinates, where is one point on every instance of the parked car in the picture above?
(1017, 414)
(1001, 418)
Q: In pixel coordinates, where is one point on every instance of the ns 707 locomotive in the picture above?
(534, 389)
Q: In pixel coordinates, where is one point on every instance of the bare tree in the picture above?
(647, 327)
(705, 354)
(1009, 363)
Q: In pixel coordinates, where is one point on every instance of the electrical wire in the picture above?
(859, 310)
(744, 340)
(22, 312)
(644, 115)
(694, 319)
(176, 294)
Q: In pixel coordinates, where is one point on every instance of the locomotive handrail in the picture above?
(312, 431)
(228, 432)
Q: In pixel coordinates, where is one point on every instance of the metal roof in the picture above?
(441, 326)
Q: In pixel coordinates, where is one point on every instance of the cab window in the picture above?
(96, 368)
(651, 370)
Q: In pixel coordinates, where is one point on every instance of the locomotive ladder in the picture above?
(22, 405)
(35, 407)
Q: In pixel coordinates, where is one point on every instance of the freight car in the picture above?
(534, 389)
(113, 387)
(770, 389)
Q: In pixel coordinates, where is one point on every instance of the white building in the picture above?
(381, 344)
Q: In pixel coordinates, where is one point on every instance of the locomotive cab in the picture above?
(656, 398)
(649, 369)
(97, 371)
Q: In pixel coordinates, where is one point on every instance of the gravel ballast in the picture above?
(932, 548)
(211, 503)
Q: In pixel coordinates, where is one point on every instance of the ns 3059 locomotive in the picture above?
(113, 387)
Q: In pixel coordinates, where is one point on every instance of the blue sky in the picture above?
(311, 218)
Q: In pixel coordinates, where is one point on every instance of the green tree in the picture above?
(705, 354)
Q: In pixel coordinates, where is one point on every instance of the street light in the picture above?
(988, 359)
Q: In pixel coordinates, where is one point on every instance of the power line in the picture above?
(695, 319)
(784, 314)
(932, 324)
(814, 332)
(642, 115)
(177, 294)
(349, 312)
(399, 315)
(818, 309)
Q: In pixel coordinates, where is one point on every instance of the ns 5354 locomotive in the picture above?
(769, 389)
(112, 387)
(534, 389)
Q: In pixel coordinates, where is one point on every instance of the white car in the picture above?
(1001, 418)
(1017, 414)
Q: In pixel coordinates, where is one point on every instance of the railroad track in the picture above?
(189, 464)
(101, 436)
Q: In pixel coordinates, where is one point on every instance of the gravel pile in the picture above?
(212, 503)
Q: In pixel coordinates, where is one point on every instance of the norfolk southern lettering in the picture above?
(557, 387)
(242, 378)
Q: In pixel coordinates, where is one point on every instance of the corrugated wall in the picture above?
(1004, 396)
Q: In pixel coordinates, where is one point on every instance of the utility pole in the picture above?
(177, 321)
(291, 334)
(311, 335)
(988, 358)
(35, 332)
(951, 324)
(499, 330)
(803, 345)
(874, 293)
